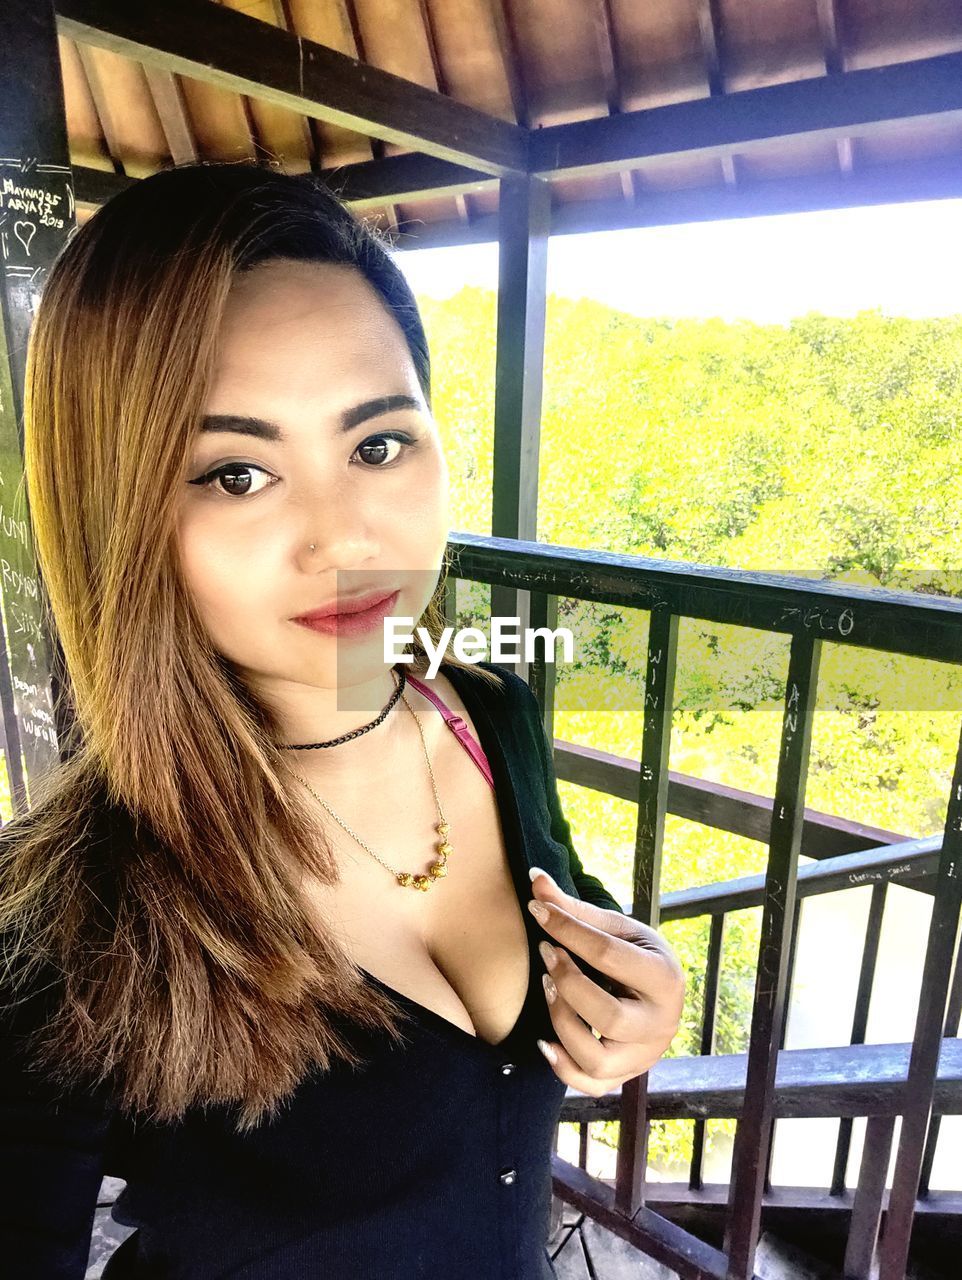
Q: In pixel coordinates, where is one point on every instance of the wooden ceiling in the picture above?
(700, 108)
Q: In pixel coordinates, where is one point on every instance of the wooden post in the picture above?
(524, 215)
(36, 217)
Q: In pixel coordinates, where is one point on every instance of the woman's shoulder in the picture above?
(504, 689)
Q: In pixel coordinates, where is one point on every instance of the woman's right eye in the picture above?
(233, 473)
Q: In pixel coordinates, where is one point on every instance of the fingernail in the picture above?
(548, 1052)
(538, 910)
(539, 871)
(548, 954)
(550, 990)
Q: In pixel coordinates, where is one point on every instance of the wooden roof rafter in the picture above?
(822, 106)
(607, 43)
(174, 120)
(440, 83)
(507, 41)
(259, 60)
(710, 32)
(351, 25)
(457, 150)
(285, 21)
(833, 44)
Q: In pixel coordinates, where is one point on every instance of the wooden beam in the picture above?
(931, 179)
(414, 177)
(914, 863)
(823, 106)
(910, 623)
(409, 177)
(715, 804)
(841, 1080)
(686, 1255)
(670, 1197)
(241, 54)
(94, 187)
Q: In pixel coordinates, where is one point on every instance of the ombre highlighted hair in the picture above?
(161, 919)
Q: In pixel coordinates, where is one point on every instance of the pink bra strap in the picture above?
(458, 728)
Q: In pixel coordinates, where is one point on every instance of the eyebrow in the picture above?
(240, 424)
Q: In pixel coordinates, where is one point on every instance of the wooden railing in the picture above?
(527, 579)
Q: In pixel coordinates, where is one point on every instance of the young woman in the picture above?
(268, 957)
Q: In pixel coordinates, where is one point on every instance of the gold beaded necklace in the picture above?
(406, 879)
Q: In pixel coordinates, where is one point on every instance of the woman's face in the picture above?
(316, 431)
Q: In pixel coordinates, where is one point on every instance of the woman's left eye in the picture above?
(396, 437)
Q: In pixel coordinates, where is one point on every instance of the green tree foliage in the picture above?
(826, 447)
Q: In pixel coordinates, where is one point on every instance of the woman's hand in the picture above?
(637, 1025)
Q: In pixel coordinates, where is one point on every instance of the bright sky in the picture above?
(904, 258)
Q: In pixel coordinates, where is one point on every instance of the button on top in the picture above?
(507, 1068)
(508, 1176)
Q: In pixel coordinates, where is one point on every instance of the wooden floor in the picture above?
(581, 1250)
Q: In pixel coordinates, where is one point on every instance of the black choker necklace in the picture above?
(356, 733)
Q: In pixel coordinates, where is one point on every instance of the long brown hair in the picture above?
(185, 966)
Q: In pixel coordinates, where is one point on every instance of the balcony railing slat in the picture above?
(943, 932)
(863, 1000)
(751, 1139)
(789, 980)
(659, 697)
(952, 1017)
(867, 1209)
(709, 1012)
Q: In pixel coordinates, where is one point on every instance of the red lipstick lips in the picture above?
(352, 615)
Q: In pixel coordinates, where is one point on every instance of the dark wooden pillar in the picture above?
(524, 215)
(36, 216)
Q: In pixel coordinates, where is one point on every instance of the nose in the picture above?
(341, 536)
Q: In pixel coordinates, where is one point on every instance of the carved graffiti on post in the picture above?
(37, 217)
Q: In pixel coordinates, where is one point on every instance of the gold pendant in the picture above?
(435, 871)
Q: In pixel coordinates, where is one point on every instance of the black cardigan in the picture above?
(432, 1162)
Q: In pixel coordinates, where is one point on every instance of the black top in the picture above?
(432, 1161)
